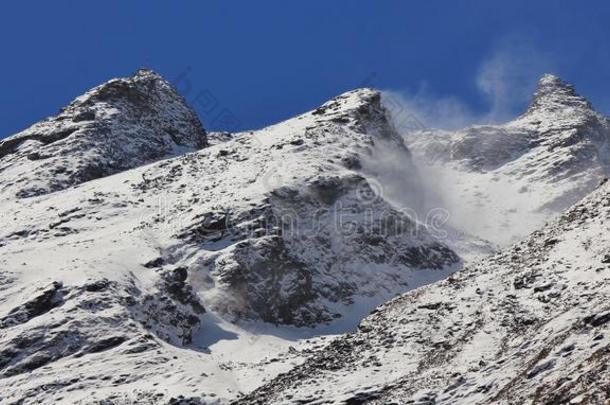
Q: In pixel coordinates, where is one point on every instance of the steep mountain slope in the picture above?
(155, 281)
(501, 182)
(528, 325)
(121, 124)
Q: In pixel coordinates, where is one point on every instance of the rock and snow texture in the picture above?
(528, 325)
(121, 124)
(124, 280)
(502, 182)
(298, 225)
(141, 262)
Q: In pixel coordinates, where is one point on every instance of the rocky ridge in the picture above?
(154, 268)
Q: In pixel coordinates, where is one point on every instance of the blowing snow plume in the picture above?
(504, 80)
(501, 181)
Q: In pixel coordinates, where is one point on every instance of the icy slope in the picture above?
(121, 124)
(194, 275)
(528, 325)
(501, 182)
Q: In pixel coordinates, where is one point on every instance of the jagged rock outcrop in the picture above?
(217, 137)
(571, 136)
(116, 126)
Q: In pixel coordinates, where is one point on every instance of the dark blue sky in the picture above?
(266, 61)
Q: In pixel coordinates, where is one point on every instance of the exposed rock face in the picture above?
(557, 118)
(121, 124)
(319, 243)
(69, 327)
(528, 325)
(304, 231)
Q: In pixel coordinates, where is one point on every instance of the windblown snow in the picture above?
(505, 181)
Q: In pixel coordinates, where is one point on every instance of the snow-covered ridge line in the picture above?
(139, 271)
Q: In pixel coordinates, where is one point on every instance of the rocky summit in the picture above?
(119, 125)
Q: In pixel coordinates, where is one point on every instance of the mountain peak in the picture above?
(549, 84)
(144, 89)
(361, 108)
(116, 126)
(350, 101)
(549, 79)
(553, 94)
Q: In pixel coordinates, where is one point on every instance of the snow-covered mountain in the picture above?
(502, 182)
(145, 261)
(530, 325)
(136, 281)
